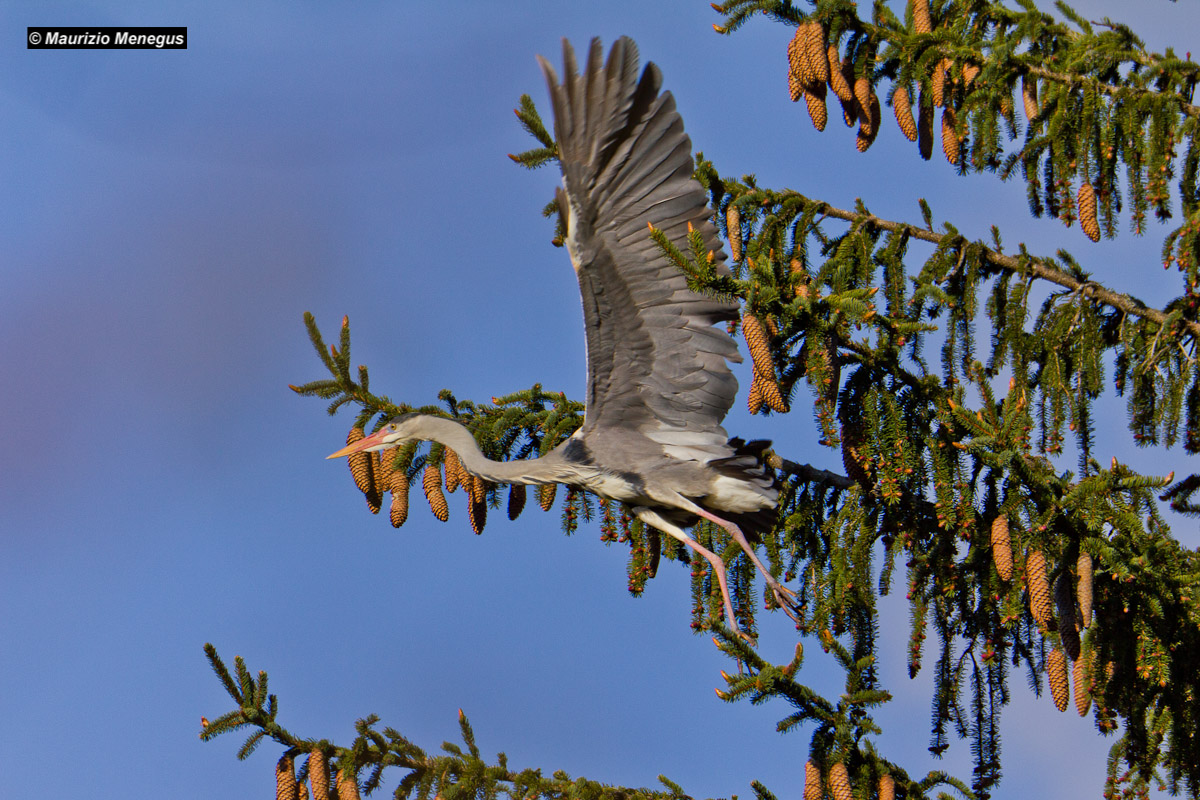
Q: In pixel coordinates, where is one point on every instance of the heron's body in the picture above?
(659, 383)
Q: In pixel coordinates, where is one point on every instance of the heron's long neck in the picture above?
(459, 439)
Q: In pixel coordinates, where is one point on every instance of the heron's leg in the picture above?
(651, 517)
(785, 596)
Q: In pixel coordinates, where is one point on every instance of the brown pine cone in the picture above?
(546, 493)
(1039, 588)
(516, 500)
(815, 49)
(925, 127)
(382, 470)
(318, 775)
(1083, 698)
(817, 112)
(476, 513)
(398, 486)
(432, 483)
(970, 73)
(1087, 212)
(838, 81)
(797, 68)
(347, 785)
(812, 781)
(850, 112)
(362, 468)
(922, 23)
(285, 779)
(454, 471)
(1056, 673)
(862, 96)
(733, 221)
(1002, 547)
(868, 124)
(949, 136)
(839, 782)
(1064, 601)
(938, 82)
(887, 787)
(1029, 95)
(764, 366)
(903, 111)
(754, 400)
(1083, 590)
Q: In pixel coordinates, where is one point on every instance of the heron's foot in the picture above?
(786, 599)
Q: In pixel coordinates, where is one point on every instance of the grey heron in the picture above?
(658, 377)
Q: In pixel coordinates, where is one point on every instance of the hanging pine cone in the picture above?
(454, 471)
(817, 112)
(285, 779)
(318, 775)
(815, 55)
(868, 124)
(1029, 95)
(347, 785)
(797, 67)
(839, 782)
(764, 367)
(937, 83)
(754, 400)
(432, 483)
(398, 486)
(302, 791)
(850, 112)
(862, 96)
(812, 781)
(516, 500)
(361, 468)
(903, 111)
(382, 469)
(887, 787)
(1087, 211)
(1002, 547)
(922, 23)
(477, 514)
(1039, 588)
(733, 222)
(949, 136)
(1064, 601)
(1083, 590)
(1056, 673)
(546, 495)
(970, 73)
(838, 81)
(1083, 698)
(924, 127)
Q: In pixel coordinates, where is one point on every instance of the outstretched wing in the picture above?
(655, 362)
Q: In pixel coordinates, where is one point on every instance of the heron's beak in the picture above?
(361, 444)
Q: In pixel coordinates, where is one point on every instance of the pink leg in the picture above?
(785, 596)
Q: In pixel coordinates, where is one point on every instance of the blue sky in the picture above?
(168, 216)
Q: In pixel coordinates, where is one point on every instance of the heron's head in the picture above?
(397, 431)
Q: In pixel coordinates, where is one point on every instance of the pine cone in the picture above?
(361, 468)
(285, 779)
(454, 471)
(432, 483)
(1083, 589)
(516, 500)
(868, 124)
(754, 399)
(838, 81)
(1056, 673)
(887, 787)
(1002, 547)
(797, 68)
(318, 774)
(850, 112)
(1083, 698)
(938, 82)
(347, 785)
(1039, 588)
(924, 127)
(812, 781)
(815, 49)
(970, 73)
(302, 791)
(839, 782)
(733, 221)
(903, 111)
(546, 495)
(862, 96)
(477, 514)
(949, 136)
(382, 470)
(922, 23)
(1087, 212)
(764, 367)
(817, 112)
(1029, 94)
(1064, 600)
(398, 486)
